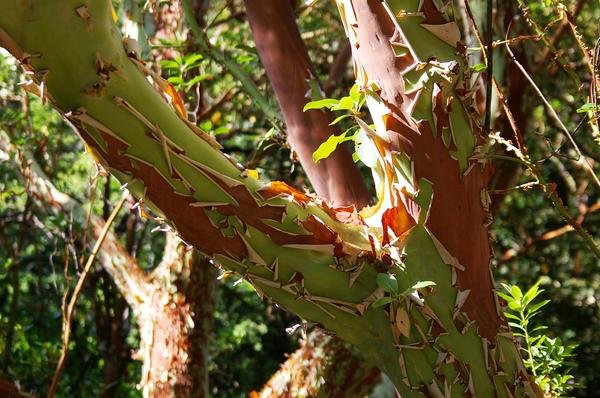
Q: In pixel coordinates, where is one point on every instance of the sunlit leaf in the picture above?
(320, 104)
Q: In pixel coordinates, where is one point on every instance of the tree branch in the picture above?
(290, 72)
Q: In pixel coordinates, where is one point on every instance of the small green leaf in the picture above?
(175, 80)
(532, 293)
(354, 93)
(381, 302)
(587, 107)
(169, 64)
(344, 104)
(537, 306)
(198, 79)
(327, 148)
(339, 118)
(505, 297)
(320, 104)
(191, 59)
(512, 316)
(515, 291)
(387, 282)
(479, 68)
(422, 284)
(513, 305)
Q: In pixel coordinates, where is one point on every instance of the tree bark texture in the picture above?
(315, 260)
(323, 366)
(290, 71)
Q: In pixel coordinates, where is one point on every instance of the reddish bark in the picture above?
(457, 217)
(322, 366)
(286, 61)
(9, 390)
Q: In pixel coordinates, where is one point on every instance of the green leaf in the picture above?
(585, 108)
(512, 316)
(175, 80)
(516, 292)
(354, 93)
(422, 284)
(516, 326)
(169, 64)
(190, 59)
(479, 68)
(344, 104)
(537, 306)
(327, 148)
(198, 79)
(513, 305)
(320, 104)
(506, 297)
(387, 282)
(339, 118)
(381, 302)
(532, 293)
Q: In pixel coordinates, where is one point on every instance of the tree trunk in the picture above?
(323, 366)
(315, 260)
(284, 56)
(336, 178)
(176, 324)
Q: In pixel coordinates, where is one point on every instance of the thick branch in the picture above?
(292, 76)
(457, 217)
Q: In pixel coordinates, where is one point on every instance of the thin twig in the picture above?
(511, 118)
(233, 67)
(552, 112)
(71, 306)
(476, 30)
(489, 73)
(549, 235)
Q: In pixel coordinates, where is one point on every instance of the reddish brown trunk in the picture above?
(457, 217)
(286, 61)
(322, 366)
(176, 324)
(9, 390)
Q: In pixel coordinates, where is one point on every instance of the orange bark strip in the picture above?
(177, 101)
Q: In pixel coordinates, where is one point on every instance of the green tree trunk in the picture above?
(314, 260)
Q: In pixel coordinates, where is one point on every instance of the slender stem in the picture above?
(490, 66)
(71, 307)
(551, 110)
(233, 67)
(529, 361)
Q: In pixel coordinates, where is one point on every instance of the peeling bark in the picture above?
(322, 366)
(282, 52)
(457, 200)
(317, 261)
